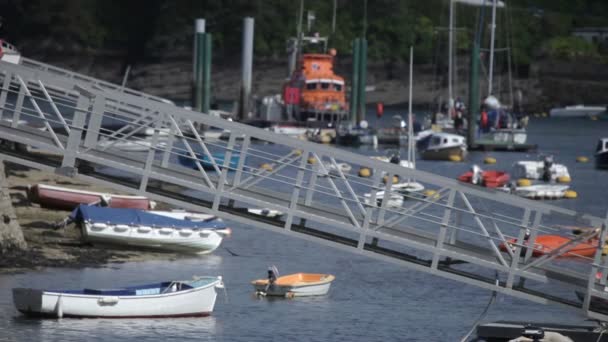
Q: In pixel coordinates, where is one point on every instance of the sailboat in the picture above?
(499, 125)
(410, 188)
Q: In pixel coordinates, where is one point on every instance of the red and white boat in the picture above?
(545, 244)
(56, 197)
(489, 178)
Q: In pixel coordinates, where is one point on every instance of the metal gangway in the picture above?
(53, 119)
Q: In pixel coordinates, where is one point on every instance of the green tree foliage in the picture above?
(570, 47)
(143, 29)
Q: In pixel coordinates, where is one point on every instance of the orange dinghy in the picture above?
(295, 285)
(545, 244)
(489, 178)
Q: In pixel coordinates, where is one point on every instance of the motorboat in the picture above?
(576, 111)
(545, 244)
(601, 154)
(294, 285)
(487, 178)
(207, 163)
(334, 169)
(56, 197)
(179, 214)
(176, 298)
(139, 228)
(538, 191)
(397, 160)
(545, 170)
(265, 212)
(9, 53)
(442, 146)
(131, 145)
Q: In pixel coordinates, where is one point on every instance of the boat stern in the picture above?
(28, 301)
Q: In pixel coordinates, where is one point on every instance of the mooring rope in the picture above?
(483, 314)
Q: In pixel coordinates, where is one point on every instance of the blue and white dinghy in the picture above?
(184, 298)
(142, 228)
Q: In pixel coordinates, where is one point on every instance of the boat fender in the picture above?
(121, 228)
(582, 159)
(107, 300)
(223, 232)
(220, 284)
(455, 158)
(166, 230)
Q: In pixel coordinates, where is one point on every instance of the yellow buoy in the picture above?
(593, 118)
(570, 194)
(523, 182)
(266, 166)
(605, 250)
(489, 160)
(395, 179)
(325, 139)
(455, 158)
(365, 172)
(582, 159)
(431, 194)
(297, 152)
(312, 160)
(563, 179)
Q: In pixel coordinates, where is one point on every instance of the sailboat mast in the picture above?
(451, 57)
(410, 120)
(493, 31)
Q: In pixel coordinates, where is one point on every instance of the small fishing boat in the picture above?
(442, 146)
(399, 193)
(56, 197)
(487, 178)
(545, 244)
(265, 212)
(334, 169)
(576, 111)
(207, 163)
(401, 162)
(145, 229)
(9, 53)
(177, 298)
(135, 145)
(179, 214)
(295, 285)
(538, 191)
(544, 169)
(601, 154)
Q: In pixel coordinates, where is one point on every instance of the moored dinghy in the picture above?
(57, 197)
(183, 298)
(293, 285)
(487, 178)
(442, 146)
(145, 229)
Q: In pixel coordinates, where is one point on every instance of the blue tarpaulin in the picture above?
(135, 217)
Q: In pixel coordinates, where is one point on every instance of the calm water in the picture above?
(369, 301)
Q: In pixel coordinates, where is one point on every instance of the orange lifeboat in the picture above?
(316, 90)
(545, 244)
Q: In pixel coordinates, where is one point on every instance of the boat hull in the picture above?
(601, 160)
(197, 241)
(296, 285)
(539, 192)
(54, 197)
(198, 301)
(545, 244)
(443, 153)
(490, 178)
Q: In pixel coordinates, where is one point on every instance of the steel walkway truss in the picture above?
(81, 127)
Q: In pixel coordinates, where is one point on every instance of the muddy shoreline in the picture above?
(49, 246)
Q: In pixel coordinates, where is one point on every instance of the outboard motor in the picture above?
(477, 175)
(547, 164)
(533, 333)
(395, 159)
